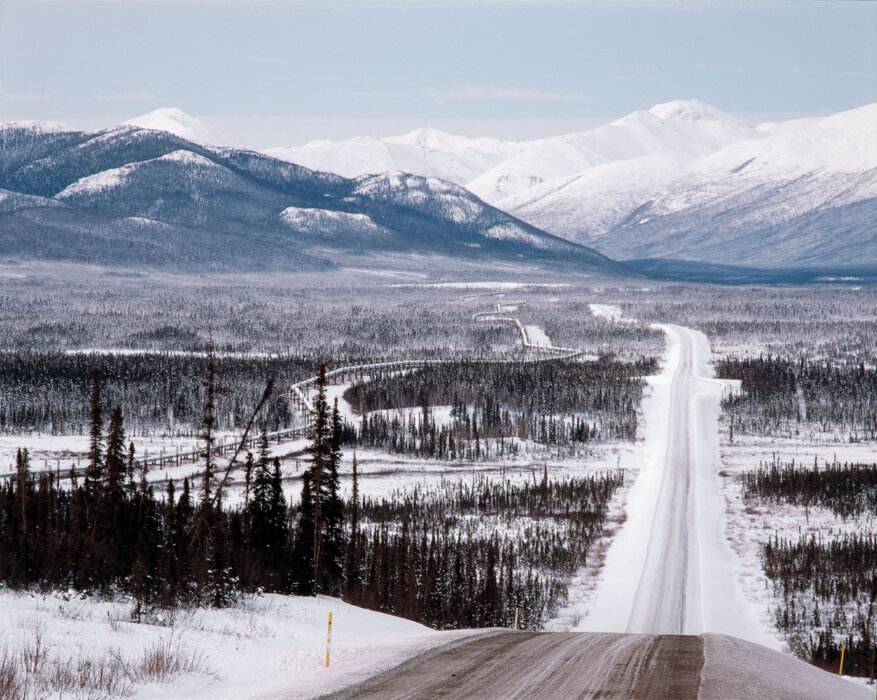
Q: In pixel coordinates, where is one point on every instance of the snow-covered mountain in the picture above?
(796, 193)
(426, 151)
(177, 122)
(494, 169)
(681, 180)
(130, 196)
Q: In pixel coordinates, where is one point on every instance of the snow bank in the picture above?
(734, 669)
(267, 646)
(613, 600)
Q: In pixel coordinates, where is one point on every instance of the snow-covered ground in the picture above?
(750, 524)
(271, 646)
(52, 452)
(266, 646)
(610, 313)
(537, 336)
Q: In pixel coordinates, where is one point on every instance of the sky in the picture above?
(283, 73)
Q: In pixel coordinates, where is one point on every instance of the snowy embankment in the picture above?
(266, 646)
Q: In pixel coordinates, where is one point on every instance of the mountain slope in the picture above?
(427, 152)
(131, 196)
(677, 130)
(799, 193)
(493, 169)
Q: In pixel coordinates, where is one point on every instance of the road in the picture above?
(670, 569)
(547, 665)
(568, 666)
(661, 604)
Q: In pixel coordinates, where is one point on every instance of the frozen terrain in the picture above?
(672, 503)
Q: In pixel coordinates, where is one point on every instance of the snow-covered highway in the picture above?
(660, 605)
(670, 570)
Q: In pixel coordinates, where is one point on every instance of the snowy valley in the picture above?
(467, 350)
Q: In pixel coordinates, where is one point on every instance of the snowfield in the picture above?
(537, 336)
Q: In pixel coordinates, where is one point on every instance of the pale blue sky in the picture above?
(283, 72)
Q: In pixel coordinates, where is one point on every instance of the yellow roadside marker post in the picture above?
(329, 640)
(843, 648)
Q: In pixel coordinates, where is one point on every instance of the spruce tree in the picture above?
(207, 522)
(248, 480)
(303, 564)
(111, 528)
(319, 455)
(145, 584)
(333, 513)
(115, 457)
(208, 422)
(94, 471)
(260, 508)
(279, 531)
(351, 568)
(131, 454)
(22, 559)
(179, 543)
(22, 480)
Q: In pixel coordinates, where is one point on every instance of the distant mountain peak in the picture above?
(689, 111)
(176, 121)
(424, 136)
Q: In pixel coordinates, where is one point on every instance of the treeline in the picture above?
(826, 586)
(848, 489)
(454, 556)
(470, 555)
(780, 394)
(828, 590)
(49, 392)
(109, 531)
(486, 434)
(559, 403)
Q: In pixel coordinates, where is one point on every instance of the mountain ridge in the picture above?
(150, 197)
